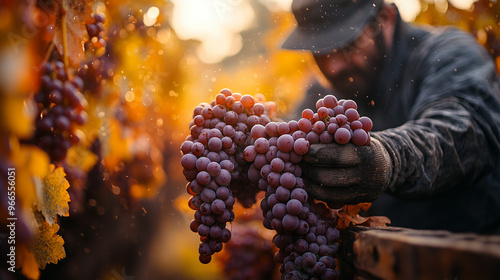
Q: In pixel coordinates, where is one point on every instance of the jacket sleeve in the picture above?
(453, 136)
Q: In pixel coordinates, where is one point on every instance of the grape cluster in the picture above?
(96, 33)
(248, 255)
(305, 229)
(215, 167)
(61, 106)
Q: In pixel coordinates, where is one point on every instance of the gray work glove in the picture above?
(347, 174)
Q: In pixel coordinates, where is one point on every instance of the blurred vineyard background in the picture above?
(128, 216)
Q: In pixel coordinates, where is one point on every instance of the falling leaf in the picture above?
(377, 221)
(349, 216)
(78, 14)
(48, 245)
(53, 199)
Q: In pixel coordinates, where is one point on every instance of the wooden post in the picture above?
(400, 253)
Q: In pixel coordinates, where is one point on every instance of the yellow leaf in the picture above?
(54, 196)
(47, 245)
(32, 159)
(31, 165)
(17, 114)
(26, 260)
(81, 157)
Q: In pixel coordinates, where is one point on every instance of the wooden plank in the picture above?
(399, 253)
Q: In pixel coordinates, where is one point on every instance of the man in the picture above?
(434, 97)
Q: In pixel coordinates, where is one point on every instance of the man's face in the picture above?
(354, 70)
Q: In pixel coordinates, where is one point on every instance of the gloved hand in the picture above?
(347, 174)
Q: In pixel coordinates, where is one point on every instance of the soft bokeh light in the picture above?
(151, 16)
(216, 24)
(462, 4)
(277, 5)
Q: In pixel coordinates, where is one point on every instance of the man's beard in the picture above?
(358, 81)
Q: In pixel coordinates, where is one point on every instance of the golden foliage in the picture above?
(48, 245)
(54, 196)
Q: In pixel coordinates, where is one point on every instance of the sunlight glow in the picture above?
(462, 4)
(215, 23)
(151, 16)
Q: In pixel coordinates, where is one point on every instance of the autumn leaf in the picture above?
(377, 221)
(349, 216)
(81, 156)
(48, 245)
(53, 199)
(78, 14)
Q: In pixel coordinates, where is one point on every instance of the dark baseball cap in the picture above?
(324, 25)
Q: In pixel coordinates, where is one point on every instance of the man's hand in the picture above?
(347, 174)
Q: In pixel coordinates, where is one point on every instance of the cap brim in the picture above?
(333, 38)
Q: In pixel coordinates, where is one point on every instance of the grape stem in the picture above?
(64, 34)
(48, 53)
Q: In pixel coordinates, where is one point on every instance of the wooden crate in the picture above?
(400, 253)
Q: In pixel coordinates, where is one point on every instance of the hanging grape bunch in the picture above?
(61, 108)
(96, 34)
(240, 136)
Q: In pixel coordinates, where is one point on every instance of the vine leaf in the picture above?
(48, 245)
(53, 199)
(78, 14)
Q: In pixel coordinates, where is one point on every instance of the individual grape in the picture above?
(307, 114)
(312, 137)
(319, 127)
(188, 161)
(215, 144)
(325, 137)
(348, 104)
(285, 143)
(356, 125)
(290, 222)
(220, 99)
(219, 111)
(258, 109)
(214, 169)
(351, 114)
(342, 136)
(367, 123)
(231, 117)
(277, 164)
(330, 101)
(339, 109)
(293, 126)
(238, 107)
(224, 178)
(322, 112)
(359, 137)
(282, 193)
(288, 180)
(341, 119)
(301, 146)
(247, 101)
(305, 125)
(261, 145)
(294, 207)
